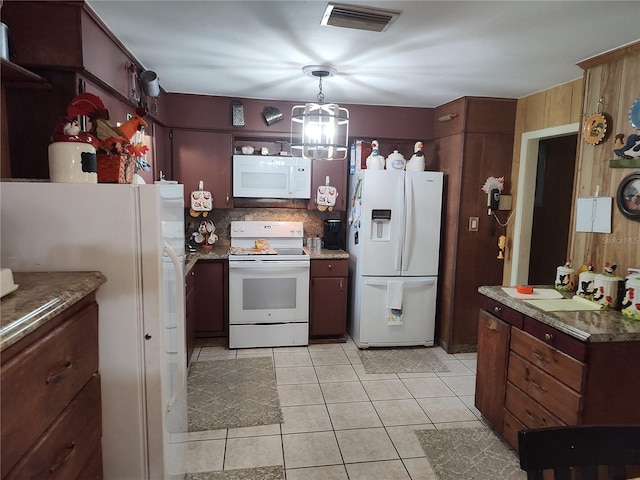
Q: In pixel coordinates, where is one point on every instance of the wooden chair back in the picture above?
(580, 452)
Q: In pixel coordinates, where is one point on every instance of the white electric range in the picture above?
(268, 287)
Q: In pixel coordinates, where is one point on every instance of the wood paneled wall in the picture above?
(614, 78)
(556, 106)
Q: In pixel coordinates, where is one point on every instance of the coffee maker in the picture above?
(333, 234)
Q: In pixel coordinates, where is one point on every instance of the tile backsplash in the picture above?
(313, 220)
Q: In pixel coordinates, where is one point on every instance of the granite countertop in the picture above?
(588, 326)
(40, 297)
(221, 252)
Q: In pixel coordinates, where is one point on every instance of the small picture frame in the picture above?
(628, 196)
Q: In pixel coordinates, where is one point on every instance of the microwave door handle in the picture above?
(291, 180)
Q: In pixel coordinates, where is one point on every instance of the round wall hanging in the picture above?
(628, 196)
(634, 114)
(595, 128)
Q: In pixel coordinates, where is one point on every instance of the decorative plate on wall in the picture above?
(595, 128)
(628, 196)
(634, 114)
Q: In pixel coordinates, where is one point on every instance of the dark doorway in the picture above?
(552, 207)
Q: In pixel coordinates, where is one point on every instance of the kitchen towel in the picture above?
(394, 302)
(394, 294)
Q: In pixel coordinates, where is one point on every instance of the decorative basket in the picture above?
(113, 168)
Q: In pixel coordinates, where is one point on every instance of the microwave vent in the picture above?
(359, 18)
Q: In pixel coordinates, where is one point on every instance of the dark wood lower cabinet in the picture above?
(50, 399)
(328, 298)
(210, 302)
(532, 375)
(491, 370)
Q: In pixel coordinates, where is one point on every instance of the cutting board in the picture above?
(538, 293)
(574, 304)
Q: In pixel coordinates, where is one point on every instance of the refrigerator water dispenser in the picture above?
(380, 225)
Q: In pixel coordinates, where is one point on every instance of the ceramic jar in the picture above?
(395, 161)
(631, 300)
(586, 287)
(565, 278)
(606, 289)
(72, 162)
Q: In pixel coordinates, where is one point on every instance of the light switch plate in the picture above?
(473, 224)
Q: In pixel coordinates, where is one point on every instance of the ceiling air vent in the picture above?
(359, 18)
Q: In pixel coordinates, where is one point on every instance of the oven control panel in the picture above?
(258, 229)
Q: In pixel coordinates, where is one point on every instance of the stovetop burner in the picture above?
(285, 240)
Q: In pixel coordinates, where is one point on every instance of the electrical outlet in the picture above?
(473, 224)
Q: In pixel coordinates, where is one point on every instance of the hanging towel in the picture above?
(394, 294)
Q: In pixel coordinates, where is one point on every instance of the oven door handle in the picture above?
(269, 263)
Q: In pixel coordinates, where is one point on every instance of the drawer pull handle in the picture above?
(56, 466)
(538, 356)
(329, 266)
(56, 377)
(537, 385)
(341, 286)
(548, 337)
(497, 309)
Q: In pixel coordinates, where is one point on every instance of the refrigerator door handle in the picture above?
(399, 239)
(408, 223)
(179, 308)
(405, 280)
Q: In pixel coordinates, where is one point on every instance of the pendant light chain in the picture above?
(320, 96)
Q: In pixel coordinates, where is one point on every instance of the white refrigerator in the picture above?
(394, 250)
(134, 235)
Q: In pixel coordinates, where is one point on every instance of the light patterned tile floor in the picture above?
(341, 423)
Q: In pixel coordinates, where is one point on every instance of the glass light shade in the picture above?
(320, 131)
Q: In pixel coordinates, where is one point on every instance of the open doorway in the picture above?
(551, 207)
(524, 214)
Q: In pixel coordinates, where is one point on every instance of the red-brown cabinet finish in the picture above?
(328, 297)
(203, 156)
(50, 399)
(210, 301)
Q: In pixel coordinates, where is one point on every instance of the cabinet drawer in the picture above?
(527, 411)
(501, 311)
(329, 268)
(510, 428)
(563, 367)
(66, 447)
(39, 383)
(559, 399)
(556, 339)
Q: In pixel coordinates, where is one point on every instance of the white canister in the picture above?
(395, 161)
(606, 290)
(631, 300)
(72, 162)
(586, 284)
(565, 279)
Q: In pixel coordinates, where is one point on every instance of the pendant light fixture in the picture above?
(319, 130)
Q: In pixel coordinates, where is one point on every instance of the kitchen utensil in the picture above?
(201, 201)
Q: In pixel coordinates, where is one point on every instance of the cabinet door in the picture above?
(337, 172)
(491, 371)
(210, 296)
(328, 306)
(206, 156)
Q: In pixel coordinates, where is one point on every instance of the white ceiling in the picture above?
(435, 52)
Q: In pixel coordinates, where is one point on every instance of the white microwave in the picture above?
(261, 176)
